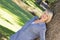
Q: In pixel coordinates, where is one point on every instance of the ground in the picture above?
(53, 28)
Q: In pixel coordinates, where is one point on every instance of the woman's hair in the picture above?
(50, 15)
(48, 12)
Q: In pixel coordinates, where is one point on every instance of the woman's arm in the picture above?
(42, 31)
(42, 35)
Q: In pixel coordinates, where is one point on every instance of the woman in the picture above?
(34, 28)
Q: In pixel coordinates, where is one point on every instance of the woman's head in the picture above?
(44, 17)
(47, 16)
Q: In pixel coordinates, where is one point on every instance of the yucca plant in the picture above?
(13, 14)
(30, 5)
(12, 17)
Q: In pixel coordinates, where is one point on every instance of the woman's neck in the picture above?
(39, 21)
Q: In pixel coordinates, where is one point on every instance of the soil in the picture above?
(53, 28)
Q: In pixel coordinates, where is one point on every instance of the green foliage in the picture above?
(11, 15)
(34, 6)
(51, 1)
(11, 6)
(6, 32)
